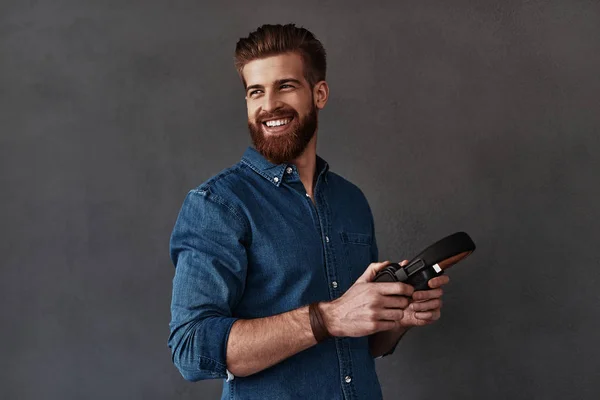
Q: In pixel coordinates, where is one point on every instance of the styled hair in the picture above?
(270, 40)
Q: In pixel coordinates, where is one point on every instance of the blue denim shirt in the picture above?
(250, 243)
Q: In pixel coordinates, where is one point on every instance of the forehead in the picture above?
(264, 71)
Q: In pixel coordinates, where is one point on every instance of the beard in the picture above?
(288, 146)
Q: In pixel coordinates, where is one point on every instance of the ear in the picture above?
(321, 94)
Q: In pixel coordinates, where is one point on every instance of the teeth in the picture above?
(277, 122)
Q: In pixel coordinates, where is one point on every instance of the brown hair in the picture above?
(269, 40)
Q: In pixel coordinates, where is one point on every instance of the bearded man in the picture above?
(275, 255)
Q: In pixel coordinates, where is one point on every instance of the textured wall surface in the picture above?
(450, 115)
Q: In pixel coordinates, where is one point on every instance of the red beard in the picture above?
(288, 146)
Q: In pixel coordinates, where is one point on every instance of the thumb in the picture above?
(372, 271)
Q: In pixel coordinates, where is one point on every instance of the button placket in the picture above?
(342, 348)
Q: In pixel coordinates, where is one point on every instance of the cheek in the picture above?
(251, 114)
(299, 109)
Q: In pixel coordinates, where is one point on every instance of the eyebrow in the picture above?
(276, 83)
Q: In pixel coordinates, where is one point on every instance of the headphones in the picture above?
(429, 263)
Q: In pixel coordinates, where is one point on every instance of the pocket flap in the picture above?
(356, 238)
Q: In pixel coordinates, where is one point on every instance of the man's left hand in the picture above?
(425, 306)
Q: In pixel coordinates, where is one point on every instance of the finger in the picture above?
(372, 271)
(394, 301)
(390, 314)
(428, 305)
(438, 281)
(397, 288)
(403, 263)
(378, 266)
(421, 295)
(374, 268)
(428, 315)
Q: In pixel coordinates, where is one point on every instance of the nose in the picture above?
(271, 102)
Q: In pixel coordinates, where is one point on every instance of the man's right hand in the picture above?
(367, 307)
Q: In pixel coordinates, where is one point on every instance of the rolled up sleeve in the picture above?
(208, 251)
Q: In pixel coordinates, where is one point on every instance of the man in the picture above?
(275, 256)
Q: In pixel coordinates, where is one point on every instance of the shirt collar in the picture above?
(274, 172)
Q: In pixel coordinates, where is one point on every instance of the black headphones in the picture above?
(430, 263)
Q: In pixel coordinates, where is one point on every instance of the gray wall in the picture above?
(451, 115)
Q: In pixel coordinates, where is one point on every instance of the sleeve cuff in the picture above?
(214, 348)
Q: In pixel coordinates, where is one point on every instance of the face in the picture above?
(282, 112)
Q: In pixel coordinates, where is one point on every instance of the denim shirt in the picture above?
(250, 243)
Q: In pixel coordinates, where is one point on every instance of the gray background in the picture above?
(450, 115)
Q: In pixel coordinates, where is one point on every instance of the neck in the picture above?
(306, 164)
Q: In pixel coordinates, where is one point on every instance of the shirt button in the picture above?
(327, 239)
(348, 379)
(276, 179)
(334, 284)
(289, 170)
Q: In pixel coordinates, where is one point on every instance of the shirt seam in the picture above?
(232, 169)
(215, 198)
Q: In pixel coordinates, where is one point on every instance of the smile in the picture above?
(277, 122)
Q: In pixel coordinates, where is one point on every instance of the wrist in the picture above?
(327, 309)
(317, 324)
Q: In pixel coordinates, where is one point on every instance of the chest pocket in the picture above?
(357, 252)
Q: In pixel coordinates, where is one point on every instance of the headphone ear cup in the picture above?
(388, 274)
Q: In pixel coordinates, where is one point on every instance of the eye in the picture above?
(253, 93)
(285, 85)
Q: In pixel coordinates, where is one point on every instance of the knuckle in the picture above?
(375, 301)
(372, 311)
(371, 296)
(405, 289)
